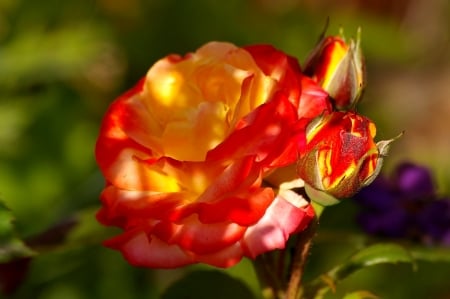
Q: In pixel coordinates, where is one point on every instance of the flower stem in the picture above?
(303, 246)
(270, 283)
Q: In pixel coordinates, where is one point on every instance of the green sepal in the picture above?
(383, 149)
(321, 197)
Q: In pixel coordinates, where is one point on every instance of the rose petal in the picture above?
(283, 68)
(139, 250)
(270, 124)
(224, 258)
(120, 205)
(232, 196)
(314, 100)
(197, 237)
(244, 210)
(288, 213)
(191, 138)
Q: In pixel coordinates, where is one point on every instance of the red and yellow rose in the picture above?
(184, 154)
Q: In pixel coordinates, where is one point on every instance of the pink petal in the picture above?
(288, 214)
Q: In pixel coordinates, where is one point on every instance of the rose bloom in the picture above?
(341, 155)
(184, 154)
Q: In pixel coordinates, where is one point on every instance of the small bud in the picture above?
(341, 155)
(338, 67)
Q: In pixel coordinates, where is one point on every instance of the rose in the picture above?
(184, 154)
(339, 68)
(340, 156)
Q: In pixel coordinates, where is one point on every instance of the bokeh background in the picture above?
(63, 62)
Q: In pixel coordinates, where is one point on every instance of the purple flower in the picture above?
(413, 181)
(405, 206)
(435, 221)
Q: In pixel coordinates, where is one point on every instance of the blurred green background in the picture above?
(63, 62)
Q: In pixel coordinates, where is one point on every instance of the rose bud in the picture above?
(340, 156)
(339, 68)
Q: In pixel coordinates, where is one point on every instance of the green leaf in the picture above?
(431, 254)
(206, 284)
(11, 247)
(383, 253)
(360, 295)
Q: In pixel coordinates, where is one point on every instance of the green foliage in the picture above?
(11, 247)
(377, 254)
(207, 284)
(360, 295)
(431, 254)
(381, 253)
